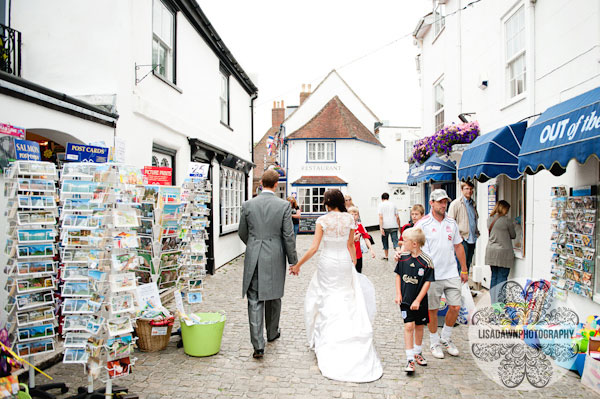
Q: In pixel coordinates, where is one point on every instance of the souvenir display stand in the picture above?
(194, 225)
(29, 264)
(573, 240)
(99, 240)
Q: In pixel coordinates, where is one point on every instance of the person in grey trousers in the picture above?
(267, 230)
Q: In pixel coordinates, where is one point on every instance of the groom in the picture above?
(267, 230)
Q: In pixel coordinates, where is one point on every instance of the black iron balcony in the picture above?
(10, 50)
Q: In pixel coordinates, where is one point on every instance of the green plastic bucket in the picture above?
(203, 339)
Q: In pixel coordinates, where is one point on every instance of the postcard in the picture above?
(35, 251)
(145, 227)
(194, 297)
(75, 322)
(37, 168)
(167, 278)
(122, 282)
(119, 347)
(35, 348)
(122, 304)
(95, 346)
(33, 300)
(76, 288)
(36, 218)
(169, 195)
(94, 324)
(147, 210)
(97, 276)
(75, 355)
(77, 187)
(195, 285)
(150, 194)
(74, 306)
(36, 201)
(144, 277)
(126, 240)
(95, 302)
(125, 218)
(170, 244)
(119, 326)
(35, 284)
(35, 332)
(35, 316)
(36, 185)
(145, 244)
(145, 262)
(35, 236)
(75, 273)
(37, 267)
(123, 262)
(118, 368)
(76, 340)
(169, 260)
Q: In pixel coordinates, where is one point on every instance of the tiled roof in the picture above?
(318, 180)
(334, 121)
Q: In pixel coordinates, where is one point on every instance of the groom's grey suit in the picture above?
(267, 230)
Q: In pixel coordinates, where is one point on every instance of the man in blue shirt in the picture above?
(464, 211)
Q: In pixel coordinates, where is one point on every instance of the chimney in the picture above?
(304, 94)
(278, 114)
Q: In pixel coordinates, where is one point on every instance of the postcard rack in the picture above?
(29, 262)
(99, 244)
(194, 225)
(573, 214)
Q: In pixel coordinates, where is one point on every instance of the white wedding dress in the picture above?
(340, 307)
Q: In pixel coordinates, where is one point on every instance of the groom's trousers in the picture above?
(257, 310)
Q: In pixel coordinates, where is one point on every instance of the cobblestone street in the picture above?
(289, 368)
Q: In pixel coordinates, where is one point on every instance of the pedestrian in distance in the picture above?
(389, 223)
(444, 246)
(348, 201)
(267, 230)
(361, 246)
(296, 214)
(464, 211)
(499, 252)
(414, 274)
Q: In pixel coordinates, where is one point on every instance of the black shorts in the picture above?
(419, 317)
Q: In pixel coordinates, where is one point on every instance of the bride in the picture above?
(340, 303)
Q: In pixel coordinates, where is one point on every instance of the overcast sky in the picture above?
(282, 44)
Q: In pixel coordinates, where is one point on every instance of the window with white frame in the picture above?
(224, 97)
(311, 199)
(232, 197)
(163, 41)
(438, 105)
(439, 14)
(514, 36)
(408, 149)
(321, 151)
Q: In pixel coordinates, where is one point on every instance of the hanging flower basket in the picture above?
(443, 140)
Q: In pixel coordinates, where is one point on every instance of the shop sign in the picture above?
(198, 169)
(10, 130)
(158, 175)
(26, 150)
(86, 153)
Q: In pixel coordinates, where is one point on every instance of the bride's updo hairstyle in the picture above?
(335, 200)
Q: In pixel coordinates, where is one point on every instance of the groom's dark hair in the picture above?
(335, 199)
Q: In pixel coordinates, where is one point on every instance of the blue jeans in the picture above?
(499, 277)
(385, 241)
(469, 252)
(296, 229)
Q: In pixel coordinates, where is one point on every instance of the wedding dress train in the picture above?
(340, 307)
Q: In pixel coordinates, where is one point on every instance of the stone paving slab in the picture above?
(289, 368)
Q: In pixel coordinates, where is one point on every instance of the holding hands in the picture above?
(295, 269)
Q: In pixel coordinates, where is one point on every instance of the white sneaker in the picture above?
(436, 351)
(449, 346)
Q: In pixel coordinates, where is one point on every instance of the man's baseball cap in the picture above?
(439, 194)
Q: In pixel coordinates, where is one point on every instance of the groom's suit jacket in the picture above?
(267, 230)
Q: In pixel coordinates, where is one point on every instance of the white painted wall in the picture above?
(563, 49)
(92, 48)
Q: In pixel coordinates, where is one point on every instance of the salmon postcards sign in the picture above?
(158, 175)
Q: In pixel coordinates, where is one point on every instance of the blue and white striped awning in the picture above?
(493, 154)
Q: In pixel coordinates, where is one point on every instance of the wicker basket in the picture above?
(146, 341)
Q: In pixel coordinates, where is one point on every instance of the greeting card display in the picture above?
(573, 244)
(31, 211)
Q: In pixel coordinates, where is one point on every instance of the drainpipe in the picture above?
(252, 125)
(531, 96)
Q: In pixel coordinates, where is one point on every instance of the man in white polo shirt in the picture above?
(443, 243)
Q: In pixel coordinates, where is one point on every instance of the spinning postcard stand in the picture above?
(29, 264)
(99, 244)
(573, 240)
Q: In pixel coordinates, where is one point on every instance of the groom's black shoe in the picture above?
(258, 353)
(275, 337)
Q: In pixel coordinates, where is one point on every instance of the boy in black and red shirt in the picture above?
(414, 273)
